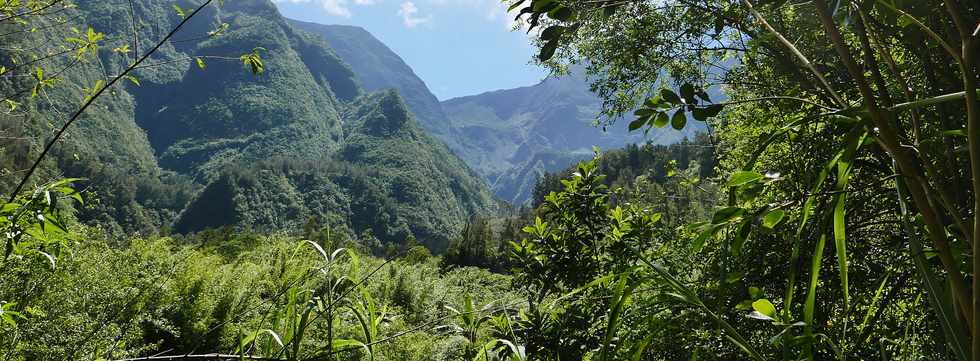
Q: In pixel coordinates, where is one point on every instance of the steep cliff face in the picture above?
(388, 178)
(509, 137)
(222, 115)
(210, 144)
(513, 136)
(378, 68)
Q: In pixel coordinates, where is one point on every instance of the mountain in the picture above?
(388, 176)
(505, 136)
(214, 145)
(512, 137)
(378, 68)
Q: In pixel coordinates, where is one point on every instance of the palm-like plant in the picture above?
(305, 305)
(469, 320)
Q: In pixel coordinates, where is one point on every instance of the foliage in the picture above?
(511, 139)
(844, 135)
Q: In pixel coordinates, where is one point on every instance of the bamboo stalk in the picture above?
(889, 140)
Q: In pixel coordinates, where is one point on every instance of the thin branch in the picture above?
(92, 99)
(796, 52)
(31, 12)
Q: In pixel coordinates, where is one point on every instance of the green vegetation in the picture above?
(831, 211)
(190, 126)
(379, 68)
(387, 182)
(231, 293)
(513, 137)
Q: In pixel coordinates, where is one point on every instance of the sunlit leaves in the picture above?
(180, 11)
(691, 101)
(253, 61)
(87, 43)
(41, 81)
(11, 104)
(32, 223)
(93, 90)
(772, 218)
(123, 49)
(743, 178)
(132, 79)
(221, 29)
(763, 310)
(7, 315)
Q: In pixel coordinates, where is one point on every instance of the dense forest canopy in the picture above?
(208, 180)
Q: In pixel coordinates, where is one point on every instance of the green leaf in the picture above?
(542, 5)
(699, 114)
(670, 96)
(561, 13)
(840, 242)
(180, 12)
(621, 296)
(679, 120)
(955, 133)
(253, 60)
(687, 93)
(765, 308)
(346, 344)
(726, 214)
(743, 178)
(642, 112)
(698, 243)
(772, 218)
(713, 110)
(132, 79)
(638, 122)
(548, 50)
(552, 32)
(200, 63)
(661, 120)
(742, 235)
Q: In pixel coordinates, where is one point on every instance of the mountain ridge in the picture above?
(194, 146)
(501, 134)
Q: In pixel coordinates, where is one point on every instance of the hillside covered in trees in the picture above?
(195, 142)
(208, 180)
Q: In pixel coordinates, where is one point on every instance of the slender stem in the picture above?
(967, 67)
(932, 34)
(31, 12)
(887, 137)
(136, 34)
(796, 52)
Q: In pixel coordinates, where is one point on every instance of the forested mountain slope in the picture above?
(502, 135)
(378, 68)
(224, 115)
(194, 128)
(514, 136)
(389, 179)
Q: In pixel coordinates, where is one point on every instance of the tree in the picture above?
(852, 135)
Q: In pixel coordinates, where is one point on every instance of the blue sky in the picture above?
(458, 47)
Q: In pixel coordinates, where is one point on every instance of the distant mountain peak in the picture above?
(382, 113)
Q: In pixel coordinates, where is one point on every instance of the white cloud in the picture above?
(408, 11)
(332, 7)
